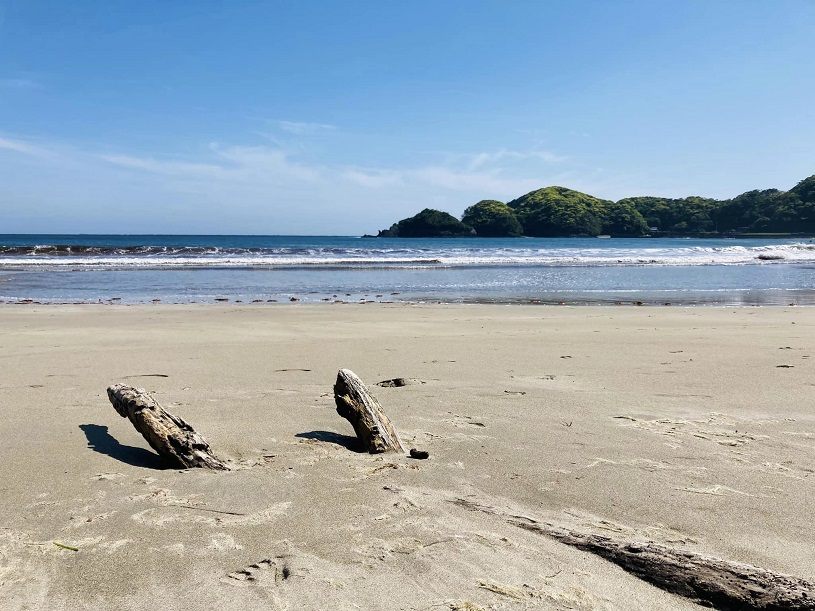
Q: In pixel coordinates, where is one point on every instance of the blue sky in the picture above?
(341, 117)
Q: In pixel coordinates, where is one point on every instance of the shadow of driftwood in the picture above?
(99, 440)
(346, 441)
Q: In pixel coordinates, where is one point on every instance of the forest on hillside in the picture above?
(558, 211)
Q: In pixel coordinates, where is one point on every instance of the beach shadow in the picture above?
(99, 440)
(346, 441)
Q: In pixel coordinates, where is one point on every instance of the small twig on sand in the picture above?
(63, 546)
(502, 590)
(229, 513)
(439, 541)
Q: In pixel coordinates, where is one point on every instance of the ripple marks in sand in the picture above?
(713, 582)
(717, 428)
(168, 514)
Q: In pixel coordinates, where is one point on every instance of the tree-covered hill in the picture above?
(558, 211)
(491, 218)
(770, 211)
(428, 223)
(686, 215)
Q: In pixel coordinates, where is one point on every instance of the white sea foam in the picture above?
(415, 258)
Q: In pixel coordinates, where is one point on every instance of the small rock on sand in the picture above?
(395, 382)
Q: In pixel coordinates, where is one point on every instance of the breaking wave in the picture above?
(153, 257)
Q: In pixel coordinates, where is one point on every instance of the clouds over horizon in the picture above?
(282, 186)
(275, 118)
(256, 188)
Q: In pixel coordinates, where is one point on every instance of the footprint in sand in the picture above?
(275, 570)
(459, 420)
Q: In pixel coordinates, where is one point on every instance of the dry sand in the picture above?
(672, 424)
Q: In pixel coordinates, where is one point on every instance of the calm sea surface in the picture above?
(185, 269)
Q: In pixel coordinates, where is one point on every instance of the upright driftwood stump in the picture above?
(170, 436)
(356, 404)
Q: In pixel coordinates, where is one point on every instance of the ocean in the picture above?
(206, 269)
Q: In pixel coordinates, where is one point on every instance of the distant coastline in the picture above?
(562, 212)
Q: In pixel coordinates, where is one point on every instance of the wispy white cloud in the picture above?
(166, 167)
(261, 164)
(25, 147)
(265, 188)
(372, 178)
(19, 83)
(300, 128)
(490, 183)
(263, 161)
(440, 177)
(503, 156)
(492, 172)
(269, 166)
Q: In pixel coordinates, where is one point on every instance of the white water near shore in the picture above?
(185, 269)
(645, 252)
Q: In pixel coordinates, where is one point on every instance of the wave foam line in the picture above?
(147, 257)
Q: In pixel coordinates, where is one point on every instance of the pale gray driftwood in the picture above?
(710, 581)
(356, 404)
(170, 436)
(722, 584)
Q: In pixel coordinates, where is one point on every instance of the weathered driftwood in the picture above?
(704, 579)
(170, 436)
(710, 581)
(356, 404)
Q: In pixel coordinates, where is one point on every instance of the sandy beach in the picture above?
(691, 427)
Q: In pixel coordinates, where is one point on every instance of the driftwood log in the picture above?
(170, 436)
(722, 584)
(356, 404)
(713, 582)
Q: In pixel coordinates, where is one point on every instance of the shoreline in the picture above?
(804, 298)
(571, 271)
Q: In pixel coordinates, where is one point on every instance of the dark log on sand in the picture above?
(721, 584)
(356, 404)
(170, 436)
(713, 582)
